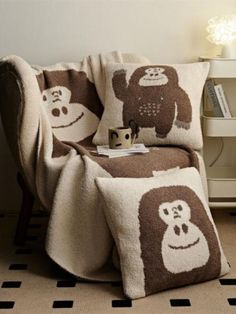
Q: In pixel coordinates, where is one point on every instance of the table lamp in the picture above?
(222, 31)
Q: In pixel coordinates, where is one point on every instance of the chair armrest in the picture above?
(20, 113)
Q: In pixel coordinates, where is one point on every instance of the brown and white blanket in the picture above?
(50, 115)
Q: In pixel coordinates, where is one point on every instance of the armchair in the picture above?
(50, 115)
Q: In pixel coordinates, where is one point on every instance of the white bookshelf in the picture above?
(221, 179)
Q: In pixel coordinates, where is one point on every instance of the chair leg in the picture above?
(25, 212)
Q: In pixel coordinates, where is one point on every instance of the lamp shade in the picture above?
(222, 31)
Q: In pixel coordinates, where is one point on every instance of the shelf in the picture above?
(219, 127)
(221, 173)
(221, 182)
(221, 67)
(219, 204)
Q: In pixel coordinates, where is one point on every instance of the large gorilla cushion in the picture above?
(163, 230)
(161, 103)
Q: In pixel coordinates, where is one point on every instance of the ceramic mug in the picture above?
(120, 137)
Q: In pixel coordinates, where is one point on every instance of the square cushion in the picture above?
(163, 230)
(161, 103)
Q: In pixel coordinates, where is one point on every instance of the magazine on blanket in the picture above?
(112, 153)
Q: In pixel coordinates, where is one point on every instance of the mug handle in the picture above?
(133, 139)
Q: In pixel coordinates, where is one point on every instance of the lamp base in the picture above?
(229, 50)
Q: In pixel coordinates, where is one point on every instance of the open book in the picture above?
(112, 153)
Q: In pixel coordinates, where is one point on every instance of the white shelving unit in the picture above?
(221, 180)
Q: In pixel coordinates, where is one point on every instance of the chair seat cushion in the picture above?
(145, 165)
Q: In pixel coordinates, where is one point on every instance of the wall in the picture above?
(47, 31)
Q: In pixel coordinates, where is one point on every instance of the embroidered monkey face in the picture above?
(174, 212)
(153, 77)
(182, 241)
(58, 94)
(69, 121)
(157, 75)
(61, 114)
(180, 230)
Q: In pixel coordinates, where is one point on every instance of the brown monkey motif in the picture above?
(178, 241)
(73, 106)
(70, 121)
(150, 98)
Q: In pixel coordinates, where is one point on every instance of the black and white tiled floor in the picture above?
(31, 284)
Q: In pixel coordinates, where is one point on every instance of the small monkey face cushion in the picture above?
(163, 230)
(161, 103)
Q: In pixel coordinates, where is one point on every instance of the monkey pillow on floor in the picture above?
(163, 230)
(161, 103)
